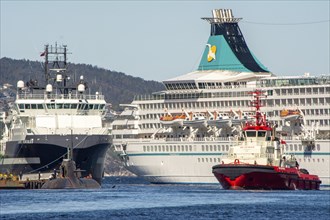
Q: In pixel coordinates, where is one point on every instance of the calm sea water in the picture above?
(131, 198)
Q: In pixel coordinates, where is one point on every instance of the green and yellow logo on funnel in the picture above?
(211, 53)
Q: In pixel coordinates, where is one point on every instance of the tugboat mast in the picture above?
(256, 103)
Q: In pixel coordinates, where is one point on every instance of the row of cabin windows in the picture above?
(174, 148)
(278, 92)
(167, 148)
(288, 82)
(62, 106)
(299, 101)
(215, 148)
(309, 123)
(311, 160)
(263, 83)
(294, 147)
(218, 85)
(241, 103)
(189, 105)
(203, 85)
(180, 86)
(319, 122)
(303, 91)
(218, 160)
(209, 160)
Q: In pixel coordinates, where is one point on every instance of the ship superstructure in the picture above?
(215, 102)
(47, 118)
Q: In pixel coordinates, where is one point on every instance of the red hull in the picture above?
(245, 176)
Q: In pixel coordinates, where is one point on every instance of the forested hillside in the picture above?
(116, 86)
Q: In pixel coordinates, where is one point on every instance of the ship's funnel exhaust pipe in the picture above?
(223, 15)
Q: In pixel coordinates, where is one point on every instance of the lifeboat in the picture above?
(257, 161)
(195, 120)
(172, 121)
(219, 120)
(288, 114)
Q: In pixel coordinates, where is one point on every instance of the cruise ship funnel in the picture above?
(226, 48)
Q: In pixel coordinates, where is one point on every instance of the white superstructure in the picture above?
(219, 93)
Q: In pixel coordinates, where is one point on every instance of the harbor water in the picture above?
(132, 198)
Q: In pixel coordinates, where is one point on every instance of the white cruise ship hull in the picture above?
(183, 162)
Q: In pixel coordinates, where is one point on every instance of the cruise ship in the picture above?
(50, 117)
(176, 135)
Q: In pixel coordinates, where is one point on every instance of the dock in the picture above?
(25, 182)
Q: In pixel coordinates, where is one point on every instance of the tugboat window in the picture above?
(250, 133)
(261, 133)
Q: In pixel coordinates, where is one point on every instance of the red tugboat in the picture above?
(257, 160)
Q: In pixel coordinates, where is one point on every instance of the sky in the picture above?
(158, 40)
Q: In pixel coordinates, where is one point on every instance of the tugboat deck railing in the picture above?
(26, 96)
